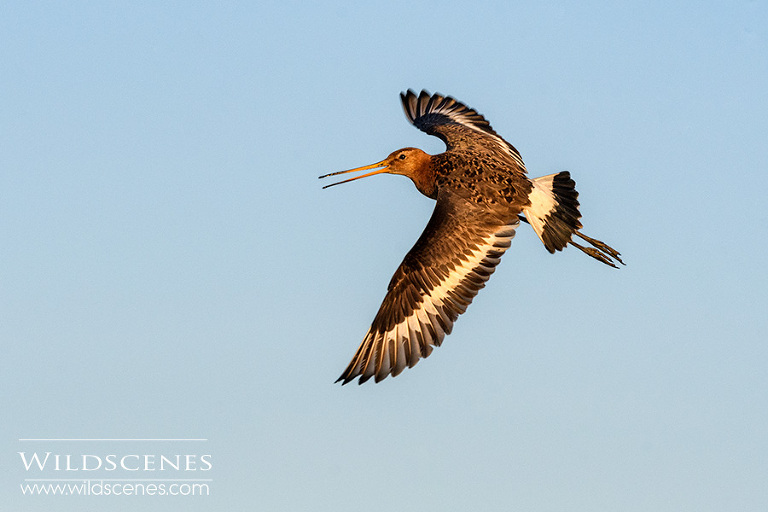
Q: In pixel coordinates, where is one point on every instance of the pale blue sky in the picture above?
(172, 268)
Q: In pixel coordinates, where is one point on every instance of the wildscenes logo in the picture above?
(113, 462)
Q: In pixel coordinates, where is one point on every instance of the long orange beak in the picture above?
(383, 164)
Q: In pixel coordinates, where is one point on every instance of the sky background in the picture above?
(171, 267)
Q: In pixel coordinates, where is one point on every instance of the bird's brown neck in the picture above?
(425, 177)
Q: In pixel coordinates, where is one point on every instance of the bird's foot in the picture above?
(601, 251)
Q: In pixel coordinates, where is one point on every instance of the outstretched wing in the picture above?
(451, 261)
(460, 127)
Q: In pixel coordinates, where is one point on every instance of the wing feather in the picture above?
(460, 127)
(452, 260)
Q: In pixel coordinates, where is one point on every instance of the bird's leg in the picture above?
(608, 251)
(601, 251)
(595, 253)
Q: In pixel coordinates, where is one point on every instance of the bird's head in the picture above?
(411, 162)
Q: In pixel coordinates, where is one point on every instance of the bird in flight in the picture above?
(482, 193)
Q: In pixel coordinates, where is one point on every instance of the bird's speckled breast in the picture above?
(484, 179)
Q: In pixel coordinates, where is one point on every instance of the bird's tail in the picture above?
(554, 216)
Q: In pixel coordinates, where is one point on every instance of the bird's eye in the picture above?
(402, 156)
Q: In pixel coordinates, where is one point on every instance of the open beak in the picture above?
(383, 164)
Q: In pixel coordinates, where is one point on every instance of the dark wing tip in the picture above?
(429, 112)
(423, 103)
(409, 100)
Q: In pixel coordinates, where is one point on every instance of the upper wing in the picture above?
(453, 258)
(459, 126)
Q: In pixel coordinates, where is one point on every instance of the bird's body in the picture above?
(482, 193)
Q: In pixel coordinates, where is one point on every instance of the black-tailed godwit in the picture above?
(482, 194)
